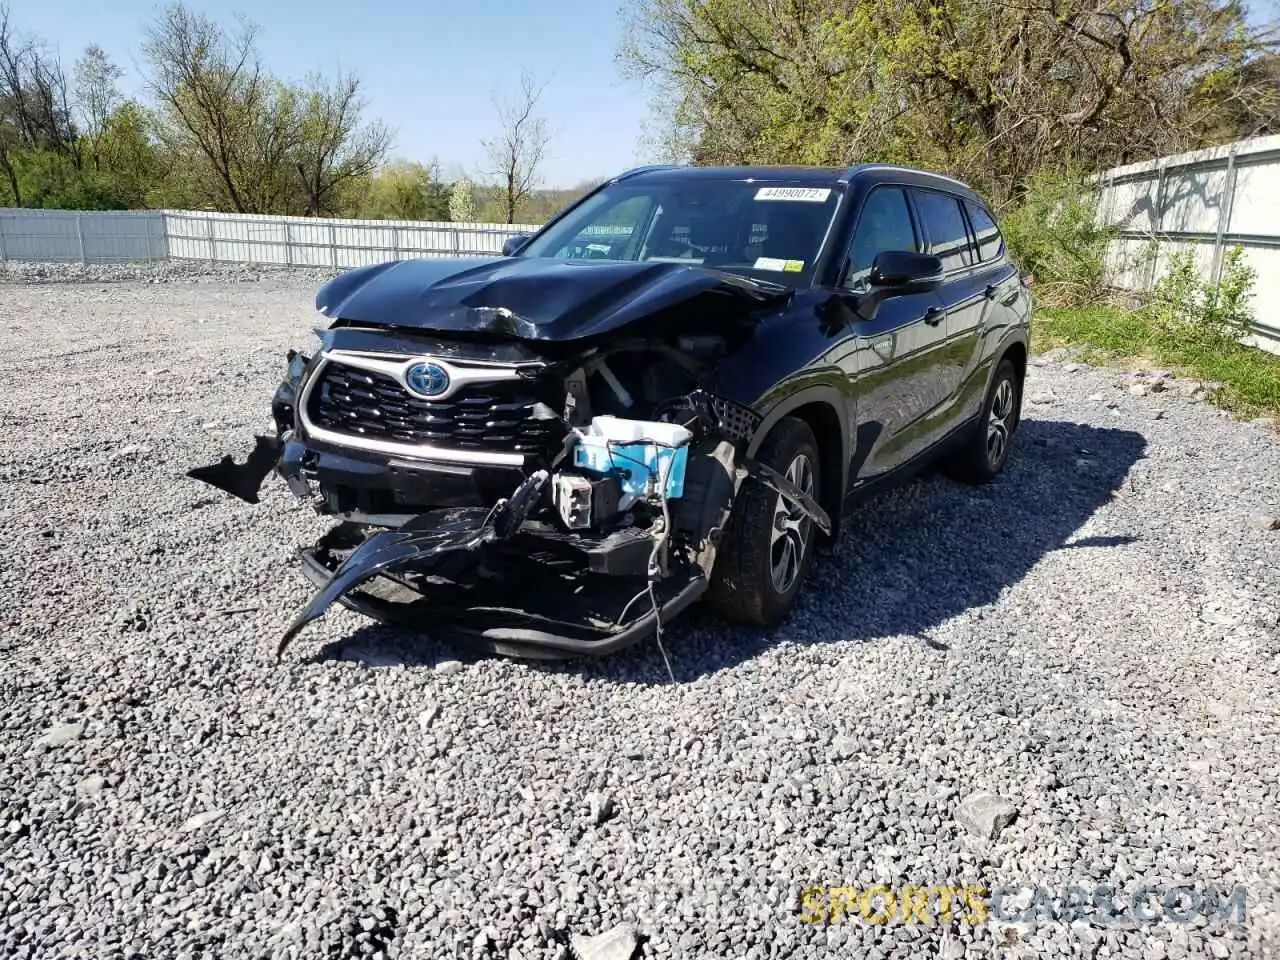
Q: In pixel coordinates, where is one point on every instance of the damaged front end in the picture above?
(535, 496)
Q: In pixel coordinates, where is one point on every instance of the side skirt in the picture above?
(873, 487)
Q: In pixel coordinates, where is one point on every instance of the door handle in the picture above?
(933, 316)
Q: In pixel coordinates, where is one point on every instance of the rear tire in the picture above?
(768, 545)
(984, 450)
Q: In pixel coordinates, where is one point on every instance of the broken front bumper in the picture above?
(496, 621)
(511, 577)
(507, 583)
(511, 585)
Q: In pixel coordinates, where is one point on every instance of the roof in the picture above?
(908, 175)
(810, 176)
(815, 176)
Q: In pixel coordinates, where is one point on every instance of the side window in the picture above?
(944, 224)
(884, 224)
(985, 230)
(611, 234)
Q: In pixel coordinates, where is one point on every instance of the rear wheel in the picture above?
(768, 547)
(982, 453)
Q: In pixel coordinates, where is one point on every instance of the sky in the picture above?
(430, 68)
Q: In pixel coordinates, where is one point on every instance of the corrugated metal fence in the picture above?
(1206, 201)
(136, 236)
(91, 237)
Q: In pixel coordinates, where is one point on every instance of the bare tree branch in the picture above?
(515, 155)
(335, 148)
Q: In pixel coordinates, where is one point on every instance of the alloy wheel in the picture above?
(1000, 422)
(791, 530)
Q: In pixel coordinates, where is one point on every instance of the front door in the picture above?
(899, 351)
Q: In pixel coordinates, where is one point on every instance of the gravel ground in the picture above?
(1095, 638)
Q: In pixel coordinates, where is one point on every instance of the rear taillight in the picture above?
(1028, 279)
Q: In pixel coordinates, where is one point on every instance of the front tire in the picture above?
(984, 450)
(768, 545)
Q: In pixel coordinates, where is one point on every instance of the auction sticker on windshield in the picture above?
(777, 263)
(804, 194)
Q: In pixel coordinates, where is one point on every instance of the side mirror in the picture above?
(897, 273)
(511, 246)
(904, 271)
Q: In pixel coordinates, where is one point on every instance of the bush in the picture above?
(1188, 309)
(1053, 232)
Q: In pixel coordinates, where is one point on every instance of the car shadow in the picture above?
(907, 561)
(915, 557)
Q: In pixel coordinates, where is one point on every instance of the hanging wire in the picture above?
(664, 472)
(658, 543)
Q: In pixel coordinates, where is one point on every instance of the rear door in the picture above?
(964, 297)
(996, 277)
(899, 355)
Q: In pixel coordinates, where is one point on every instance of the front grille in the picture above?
(497, 417)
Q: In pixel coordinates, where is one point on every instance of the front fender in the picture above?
(823, 402)
(802, 396)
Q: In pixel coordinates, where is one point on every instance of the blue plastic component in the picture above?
(638, 465)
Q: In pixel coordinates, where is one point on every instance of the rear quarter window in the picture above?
(987, 234)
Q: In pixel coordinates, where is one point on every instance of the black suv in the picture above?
(672, 390)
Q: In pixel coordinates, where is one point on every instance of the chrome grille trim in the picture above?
(410, 451)
(460, 373)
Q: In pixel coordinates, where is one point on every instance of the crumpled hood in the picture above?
(534, 298)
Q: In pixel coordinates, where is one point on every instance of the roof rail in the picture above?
(865, 167)
(647, 168)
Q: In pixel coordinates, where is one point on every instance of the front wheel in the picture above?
(983, 451)
(768, 546)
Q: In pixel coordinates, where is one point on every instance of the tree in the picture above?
(220, 108)
(516, 153)
(437, 193)
(130, 161)
(97, 96)
(462, 202)
(255, 143)
(333, 147)
(398, 191)
(1245, 102)
(990, 92)
(35, 109)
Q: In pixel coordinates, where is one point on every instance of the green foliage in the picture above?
(221, 132)
(1250, 377)
(400, 191)
(1187, 309)
(1053, 232)
(129, 156)
(462, 202)
(243, 139)
(113, 170)
(1232, 305)
(989, 92)
(1178, 303)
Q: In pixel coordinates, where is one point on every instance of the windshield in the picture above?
(769, 230)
